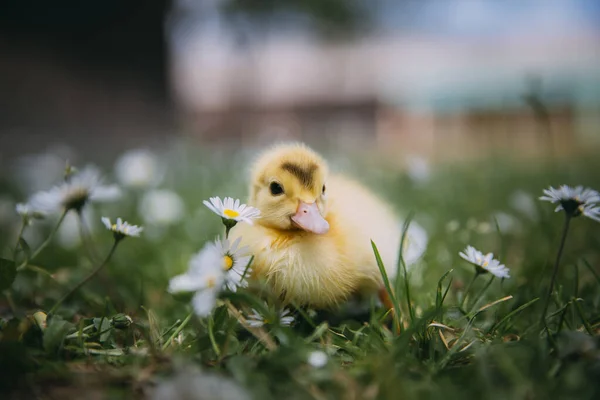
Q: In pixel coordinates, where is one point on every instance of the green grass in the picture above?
(492, 347)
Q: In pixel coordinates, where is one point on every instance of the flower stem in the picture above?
(556, 264)
(46, 242)
(21, 231)
(85, 234)
(485, 288)
(258, 333)
(176, 332)
(462, 302)
(87, 278)
(229, 223)
(247, 267)
(211, 335)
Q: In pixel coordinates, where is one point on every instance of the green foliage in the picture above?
(124, 328)
(8, 273)
(55, 333)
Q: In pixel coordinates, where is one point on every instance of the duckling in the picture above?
(312, 242)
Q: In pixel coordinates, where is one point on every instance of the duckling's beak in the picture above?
(309, 218)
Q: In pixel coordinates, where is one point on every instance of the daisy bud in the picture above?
(121, 321)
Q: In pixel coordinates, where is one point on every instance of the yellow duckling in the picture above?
(312, 242)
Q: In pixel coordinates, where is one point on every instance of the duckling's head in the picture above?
(289, 188)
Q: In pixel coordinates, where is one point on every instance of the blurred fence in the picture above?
(440, 79)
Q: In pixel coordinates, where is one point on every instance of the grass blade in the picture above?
(402, 265)
(586, 324)
(493, 303)
(388, 287)
(447, 289)
(511, 314)
(439, 298)
(318, 332)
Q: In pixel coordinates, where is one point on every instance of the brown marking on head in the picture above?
(304, 175)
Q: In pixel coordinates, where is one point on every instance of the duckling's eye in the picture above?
(275, 188)
(323, 189)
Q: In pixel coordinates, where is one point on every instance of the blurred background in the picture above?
(458, 110)
(437, 79)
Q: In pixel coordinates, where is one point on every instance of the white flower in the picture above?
(190, 383)
(565, 193)
(418, 169)
(234, 261)
(256, 320)
(230, 209)
(122, 228)
(574, 201)
(317, 359)
(205, 276)
(69, 233)
(79, 188)
(524, 203)
(484, 227)
(484, 263)
(506, 222)
(591, 211)
(415, 243)
(27, 213)
(22, 209)
(138, 169)
(161, 207)
(452, 226)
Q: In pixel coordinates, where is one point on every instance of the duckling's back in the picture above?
(357, 217)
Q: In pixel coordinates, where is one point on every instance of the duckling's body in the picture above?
(318, 269)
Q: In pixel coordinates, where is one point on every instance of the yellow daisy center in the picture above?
(230, 213)
(114, 227)
(227, 262)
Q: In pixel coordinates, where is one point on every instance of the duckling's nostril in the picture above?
(305, 211)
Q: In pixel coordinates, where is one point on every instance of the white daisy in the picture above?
(189, 382)
(591, 211)
(75, 192)
(122, 228)
(317, 359)
(161, 207)
(506, 222)
(256, 320)
(27, 213)
(234, 261)
(523, 203)
(484, 263)
(68, 235)
(574, 201)
(418, 169)
(23, 209)
(230, 209)
(452, 226)
(205, 276)
(138, 169)
(415, 243)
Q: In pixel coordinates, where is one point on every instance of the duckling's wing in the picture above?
(359, 216)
